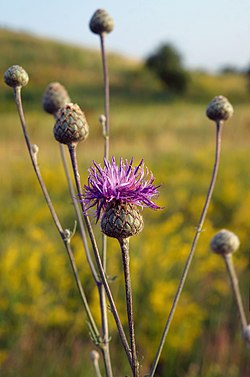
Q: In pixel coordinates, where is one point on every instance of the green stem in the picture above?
(78, 215)
(104, 315)
(235, 287)
(105, 337)
(106, 95)
(72, 151)
(124, 243)
(193, 247)
(65, 238)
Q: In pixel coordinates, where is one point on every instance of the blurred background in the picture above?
(166, 62)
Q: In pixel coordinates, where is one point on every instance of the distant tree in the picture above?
(166, 63)
(229, 69)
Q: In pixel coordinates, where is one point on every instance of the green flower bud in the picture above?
(16, 76)
(94, 355)
(101, 22)
(71, 126)
(224, 242)
(219, 109)
(121, 220)
(55, 97)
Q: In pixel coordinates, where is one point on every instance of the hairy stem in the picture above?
(72, 151)
(193, 247)
(65, 238)
(124, 243)
(235, 287)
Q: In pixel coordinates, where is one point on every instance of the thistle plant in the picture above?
(116, 194)
(117, 191)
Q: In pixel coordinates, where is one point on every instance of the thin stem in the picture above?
(72, 151)
(17, 93)
(107, 359)
(105, 340)
(193, 247)
(106, 95)
(105, 328)
(64, 236)
(78, 215)
(124, 243)
(95, 358)
(92, 324)
(101, 291)
(235, 287)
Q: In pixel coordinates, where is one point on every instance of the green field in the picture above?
(43, 327)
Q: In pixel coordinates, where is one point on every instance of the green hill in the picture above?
(80, 70)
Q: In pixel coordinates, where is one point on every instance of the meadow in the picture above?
(43, 326)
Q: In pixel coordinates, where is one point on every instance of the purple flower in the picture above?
(122, 183)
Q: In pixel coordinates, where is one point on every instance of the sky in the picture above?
(209, 34)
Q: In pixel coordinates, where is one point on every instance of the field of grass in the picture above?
(43, 326)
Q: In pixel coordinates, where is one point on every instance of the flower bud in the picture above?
(219, 109)
(16, 76)
(34, 148)
(224, 242)
(94, 355)
(121, 220)
(71, 126)
(101, 22)
(102, 120)
(55, 97)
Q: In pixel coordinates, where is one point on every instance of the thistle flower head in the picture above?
(55, 97)
(224, 242)
(101, 22)
(120, 183)
(16, 76)
(219, 109)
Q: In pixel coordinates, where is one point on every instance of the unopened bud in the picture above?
(55, 97)
(94, 355)
(219, 109)
(224, 242)
(101, 22)
(34, 149)
(16, 76)
(71, 126)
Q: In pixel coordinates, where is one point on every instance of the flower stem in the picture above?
(106, 95)
(105, 328)
(124, 243)
(78, 214)
(235, 287)
(66, 239)
(219, 126)
(72, 151)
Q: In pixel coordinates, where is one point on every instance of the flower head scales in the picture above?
(122, 183)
